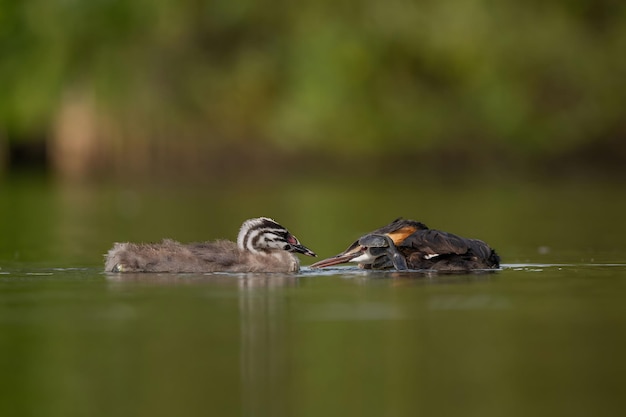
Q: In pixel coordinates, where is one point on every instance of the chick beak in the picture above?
(349, 254)
(302, 249)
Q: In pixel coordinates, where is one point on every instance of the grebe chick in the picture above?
(407, 244)
(262, 246)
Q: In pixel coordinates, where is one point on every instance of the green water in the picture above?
(543, 336)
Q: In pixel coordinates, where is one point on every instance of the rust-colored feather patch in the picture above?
(399, 235)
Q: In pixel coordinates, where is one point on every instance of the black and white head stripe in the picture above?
(262, 234)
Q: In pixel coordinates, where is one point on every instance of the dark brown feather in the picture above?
(434, 249)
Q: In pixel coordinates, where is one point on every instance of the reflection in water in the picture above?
(264, 345)
(264, 368)
(528, 340)
(240, 280)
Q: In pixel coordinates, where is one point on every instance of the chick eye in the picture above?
(291, 239)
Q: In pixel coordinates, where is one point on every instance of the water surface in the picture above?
(543, 336)
(530, 339)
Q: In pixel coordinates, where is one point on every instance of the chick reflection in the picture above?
(243, 281)
(264, 344)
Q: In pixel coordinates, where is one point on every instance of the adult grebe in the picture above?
(408, 244)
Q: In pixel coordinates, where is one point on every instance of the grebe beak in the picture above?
(354, 251)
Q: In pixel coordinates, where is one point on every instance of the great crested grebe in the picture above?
(408, 244)
(262, 246)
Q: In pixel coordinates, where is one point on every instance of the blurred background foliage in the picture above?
(104, 85)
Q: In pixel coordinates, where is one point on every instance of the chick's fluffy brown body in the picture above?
(173, 256)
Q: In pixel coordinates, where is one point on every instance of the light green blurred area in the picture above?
(124, 80)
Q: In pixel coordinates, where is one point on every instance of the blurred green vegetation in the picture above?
(136, 77)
